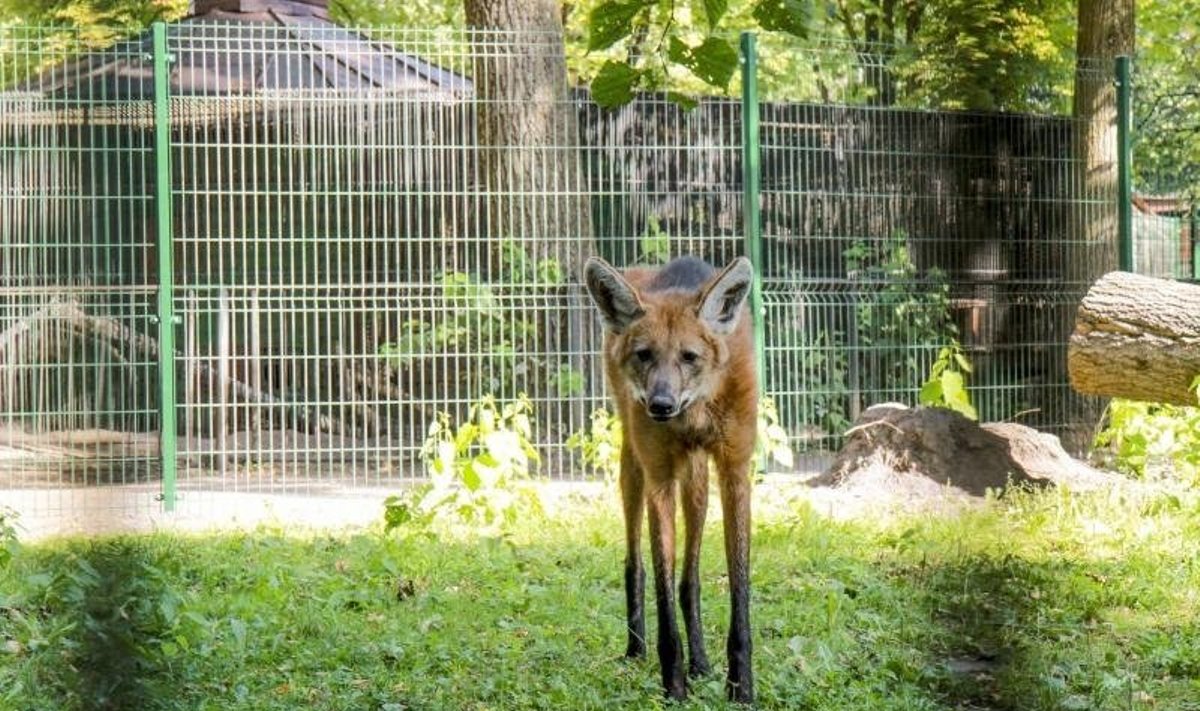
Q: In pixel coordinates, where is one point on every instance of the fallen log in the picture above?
(126, 345)
(1137, 337)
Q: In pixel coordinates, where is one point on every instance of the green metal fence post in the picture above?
(1194, 236)
(166, 270)
(752, 188)
(1124, 164)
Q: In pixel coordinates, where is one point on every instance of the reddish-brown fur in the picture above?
(689, 346)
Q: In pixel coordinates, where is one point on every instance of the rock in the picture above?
(929, 452)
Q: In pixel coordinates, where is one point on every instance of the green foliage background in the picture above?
(982, 54)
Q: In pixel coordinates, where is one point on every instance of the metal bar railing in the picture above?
(164, 237)
(1124, 163)
(752, 187)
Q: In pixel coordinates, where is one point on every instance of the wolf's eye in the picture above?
(645, 355)
(689, 356)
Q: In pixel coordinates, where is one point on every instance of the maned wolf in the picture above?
(679, 357)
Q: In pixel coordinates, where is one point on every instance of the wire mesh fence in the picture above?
(1165, 174)
(368, 230)
(896, 232)
(78, 403)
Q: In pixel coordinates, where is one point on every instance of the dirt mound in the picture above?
(933, 454)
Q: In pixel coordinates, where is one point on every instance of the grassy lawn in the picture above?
(1037, 601)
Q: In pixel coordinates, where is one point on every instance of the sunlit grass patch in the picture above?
(1035, 600)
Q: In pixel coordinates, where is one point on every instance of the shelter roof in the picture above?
(235, 47)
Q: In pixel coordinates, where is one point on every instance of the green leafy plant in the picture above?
(1146, 439)
(8, 536)
(947, 384)
(519, 268)
(491, 339)
(599, 445)
(648, 44)
(814, 378)
(655, 244)
(478, 471)
(569, 380)
(908, 317)
(772, 443)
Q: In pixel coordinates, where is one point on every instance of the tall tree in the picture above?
(963, 54)
(98, 22)
(1105, 31)
(528, 132)
(530, 165)
(1166, 159)
(989, 55)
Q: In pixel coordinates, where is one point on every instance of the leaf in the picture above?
(931, 393)
(613, 84)
(966, 409)
(487, 420)
(952, 384)
(791, 16)
(443, 463)
(396, 514)
(683, 101)
(505, 446)
(612, 21)
(714, 60)
(714, 10)
(471, 475)
(963, 363)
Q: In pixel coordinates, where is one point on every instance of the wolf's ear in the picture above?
(618, 301)
(721, 303)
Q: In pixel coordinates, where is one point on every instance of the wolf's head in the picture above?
(669, 344)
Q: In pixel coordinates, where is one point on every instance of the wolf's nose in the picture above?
(661, 406)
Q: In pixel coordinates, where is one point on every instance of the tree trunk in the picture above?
(1137, 337)
(528, 132)
(1105, 32)
(531, 172)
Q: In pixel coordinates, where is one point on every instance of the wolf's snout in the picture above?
(662, 406)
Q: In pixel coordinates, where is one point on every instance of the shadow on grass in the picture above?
(113, 612)
(1025, 635)
(843, 621)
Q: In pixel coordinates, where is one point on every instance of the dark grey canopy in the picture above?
(230, 47)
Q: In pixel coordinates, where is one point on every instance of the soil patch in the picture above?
(933, 457)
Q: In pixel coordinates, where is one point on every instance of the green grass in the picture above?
(1039, 601)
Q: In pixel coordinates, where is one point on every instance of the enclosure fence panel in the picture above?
(1165, 179)
(78, 403)
(374, 231)
(891, 233)
(372, 234)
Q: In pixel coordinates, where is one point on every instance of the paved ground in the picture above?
(44, 513)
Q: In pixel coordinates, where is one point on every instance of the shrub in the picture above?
(1150, 439)
(478, 472)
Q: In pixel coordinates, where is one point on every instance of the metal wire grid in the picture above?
(889, 233)
(346, 266)
(78, 405)
(1164, 210)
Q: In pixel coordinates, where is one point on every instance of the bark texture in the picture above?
(528, 132)
(1106, 31)
(1137, 337)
